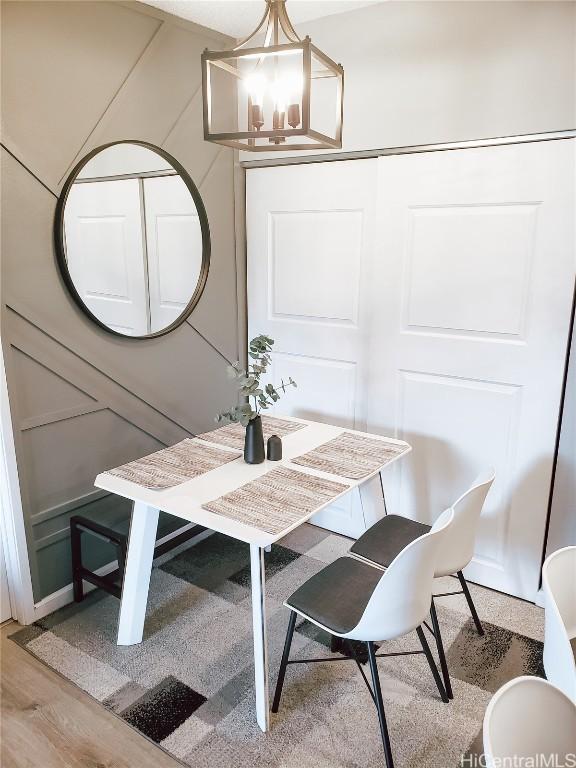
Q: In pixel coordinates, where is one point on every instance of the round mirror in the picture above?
(132, 239)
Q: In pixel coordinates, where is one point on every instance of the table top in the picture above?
(185, 500)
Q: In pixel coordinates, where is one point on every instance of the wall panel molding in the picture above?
(154, 94)
(43, 348)
(73, 505)
(83, 149)
(62, 63)
(14, 154)
(62, 415)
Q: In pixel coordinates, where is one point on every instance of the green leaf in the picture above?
(227, 416)
(260, 344)
(248, 383)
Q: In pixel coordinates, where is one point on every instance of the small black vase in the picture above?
(274, 448)
(254, 442)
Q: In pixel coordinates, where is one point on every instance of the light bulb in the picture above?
(287, 94)
(287, 89)
(278, 93)
(256, 86)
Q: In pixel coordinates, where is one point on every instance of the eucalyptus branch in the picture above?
(249, 385)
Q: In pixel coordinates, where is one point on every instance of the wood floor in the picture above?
(46, 722)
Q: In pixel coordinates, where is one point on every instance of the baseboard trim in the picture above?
(65, 595)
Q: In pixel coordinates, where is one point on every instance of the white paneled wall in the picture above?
(427, 297)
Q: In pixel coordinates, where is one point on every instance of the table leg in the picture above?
(260, 642)
(140, 555)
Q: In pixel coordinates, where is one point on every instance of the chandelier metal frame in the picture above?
(280, 38)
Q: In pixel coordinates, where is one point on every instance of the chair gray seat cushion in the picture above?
(337, 595)
(386, 538)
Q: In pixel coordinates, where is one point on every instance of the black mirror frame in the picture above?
(61, 253)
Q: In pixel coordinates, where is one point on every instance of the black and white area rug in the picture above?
(189, 686)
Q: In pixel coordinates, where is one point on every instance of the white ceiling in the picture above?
(238, 18)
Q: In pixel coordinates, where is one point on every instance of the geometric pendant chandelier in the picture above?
(273, 91)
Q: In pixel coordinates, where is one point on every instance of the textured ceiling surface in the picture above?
(239, 17)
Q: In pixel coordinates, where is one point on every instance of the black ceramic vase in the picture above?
(254, 442)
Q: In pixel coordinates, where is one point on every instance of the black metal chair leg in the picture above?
(335, 644)
(76, 548)
(440, 647)
(380, 705)
(284, 662)
(433, 668)
(470, 602)
(383, 493)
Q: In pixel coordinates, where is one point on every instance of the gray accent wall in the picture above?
(76, 75)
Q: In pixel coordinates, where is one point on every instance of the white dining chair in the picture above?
(353, 600)
(380, 544)
(530, 722)
(559, 585)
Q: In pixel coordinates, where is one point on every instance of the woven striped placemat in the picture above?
(174, 465)
(350, 455)
(232, 435)
(276, 500)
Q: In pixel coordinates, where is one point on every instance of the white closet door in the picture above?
(174, 244)
(472, 296)
(309, 231)
(105, 252)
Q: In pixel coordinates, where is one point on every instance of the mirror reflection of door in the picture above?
(105, 252)
(133, 240)
(174, 248)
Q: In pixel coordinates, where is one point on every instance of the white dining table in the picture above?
(185, 501)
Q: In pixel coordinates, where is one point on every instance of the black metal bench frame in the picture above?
(80, 525)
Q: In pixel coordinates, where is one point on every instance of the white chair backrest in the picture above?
(402, 597)
(528, 718)
(559, 584)
(457, 546)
